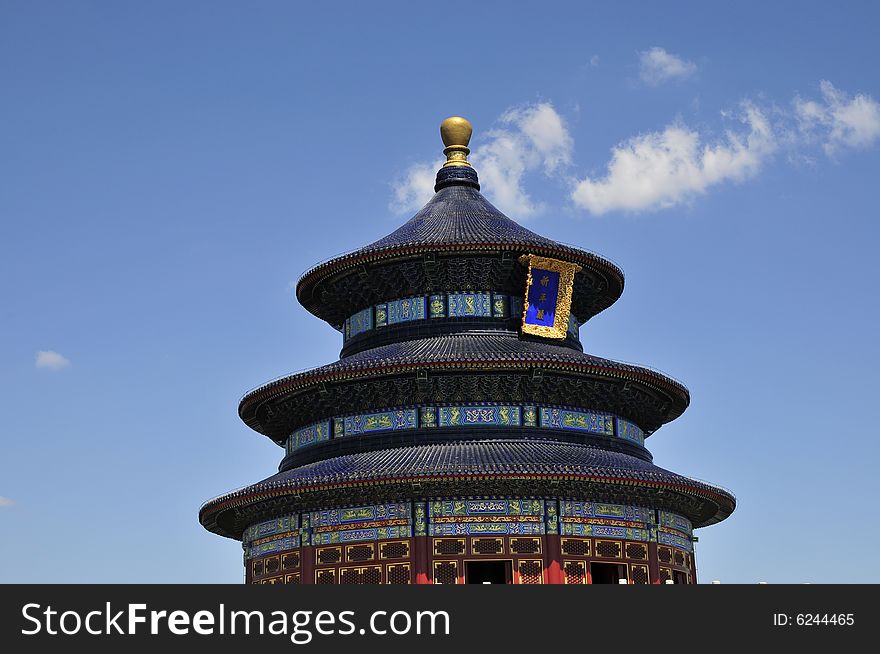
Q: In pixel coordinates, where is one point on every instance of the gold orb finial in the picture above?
(456, 130)
(456, 134)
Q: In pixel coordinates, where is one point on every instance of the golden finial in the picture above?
(456, 134)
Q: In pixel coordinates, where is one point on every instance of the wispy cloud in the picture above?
(665, 168)
(657, 169)
(532, 137)
(662, 169)
(414, 188)
(51, 360)
(657, 66)
(5, 501)
(594, 61)
(837, 120)
(528, 138)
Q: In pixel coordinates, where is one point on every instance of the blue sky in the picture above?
(167, 171)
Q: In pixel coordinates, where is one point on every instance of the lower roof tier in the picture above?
(497, 467)
(410, 369)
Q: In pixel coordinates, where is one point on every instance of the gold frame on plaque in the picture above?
(566, 272)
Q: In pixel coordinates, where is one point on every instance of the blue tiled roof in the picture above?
(478, 346)
(456, 217)
(495, 347)
(496, 456)
(459, 214)
(489, 457)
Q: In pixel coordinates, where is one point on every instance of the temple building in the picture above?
(464, 436)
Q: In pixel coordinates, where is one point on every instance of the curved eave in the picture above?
(310, 281)
(286, 386)
(209, 511)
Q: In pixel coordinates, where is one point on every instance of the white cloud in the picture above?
(545, 134)
(839, 121)
(533, 137)
(594, 61)
(529, 138)
(415, 188)
(5, 501)
(51, 360)
(502, 163)
(656, 170)
(657, 66)
(662, 169)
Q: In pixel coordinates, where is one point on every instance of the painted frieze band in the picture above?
(485, 516)
(675, 530)
(381, 421)
(476, 416)
(588, 421)
(271, 536)
(467, 416)
(602, 520)
(452, 304)
(314, 433)
(467, 517)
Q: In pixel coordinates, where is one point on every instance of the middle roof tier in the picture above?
(466, 367)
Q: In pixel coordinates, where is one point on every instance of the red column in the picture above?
(653, 564)
(553, 559)
(420, 560)
(552, 543)
(307, 564)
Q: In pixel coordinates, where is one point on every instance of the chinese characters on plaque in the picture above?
(547, 302)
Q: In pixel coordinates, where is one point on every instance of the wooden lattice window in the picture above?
(325, 576)
(665, 575)
(349, 576)
(290, 561)
(293, 579)
(531, 572)
(258, 568)
(398, 573)
(273, 565)
(636, 551)
(366, 575)
(329, 555)
(358, 553)
(638, 574)
(394, 550)
(487, 545)
(576, 546)
(448, 546)
(525, 545)
(371, 575)
(664, 554)
(575, 572)
(445, 572)
(608, 549)
(679, 558)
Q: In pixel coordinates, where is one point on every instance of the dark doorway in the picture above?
(607, 573)
(679, 577)
(487, 572)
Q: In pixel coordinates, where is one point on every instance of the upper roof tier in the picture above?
(458, 240)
